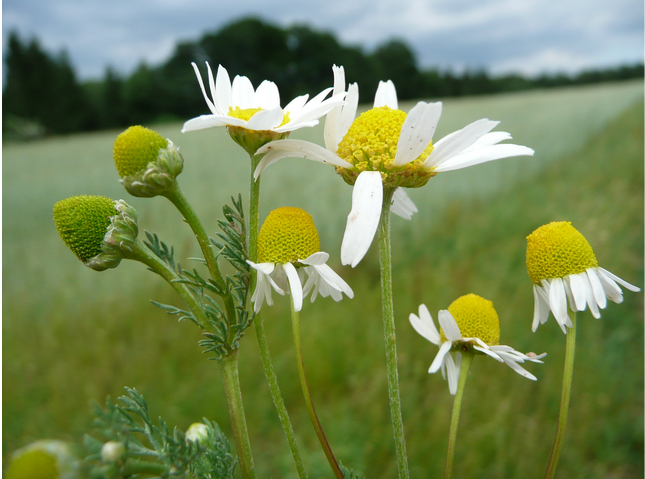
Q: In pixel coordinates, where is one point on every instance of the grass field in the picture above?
(72, 336)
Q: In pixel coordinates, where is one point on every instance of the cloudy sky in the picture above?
(525, 36)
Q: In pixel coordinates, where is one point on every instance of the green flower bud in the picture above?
(197, 432)
(99, 231)
(46, 459)
(147, 163)
(253, 140)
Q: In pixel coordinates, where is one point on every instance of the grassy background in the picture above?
(71, 336)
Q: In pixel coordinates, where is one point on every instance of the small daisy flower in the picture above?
(470, 324)
(566, 275)
(288, 244)
(387, 148)
(242, 109)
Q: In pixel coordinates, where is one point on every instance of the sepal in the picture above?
(159, 176)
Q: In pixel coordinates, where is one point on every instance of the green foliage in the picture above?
(154, 449)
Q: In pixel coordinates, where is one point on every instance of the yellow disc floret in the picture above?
(557, 250)
(82, 222)
(370, 145)
(476, 318)
(287, 235)
(135, 148)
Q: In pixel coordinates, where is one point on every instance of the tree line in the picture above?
(42, 94)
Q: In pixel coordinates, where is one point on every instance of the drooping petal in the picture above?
(558, 302)
(612, 290)
(520, 370)
(483, 155)
(578, 291)
(386, 95)
(330, 277)
(417, 131)
(490, 353)
(449, 326)
(458, 141)
(363, 219)
(453, 372)
(295, 285)
(402, 205)
(424, 325)
(276, 150)
(541, 308)
(596, 287)
(618, 280)
(591, 300)
(438, 360)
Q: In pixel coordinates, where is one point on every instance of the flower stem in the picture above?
(231, 380)
(466, 360)
(177, 198)
(269, 372)
(564, 399)
(390, 334)
(295, 322)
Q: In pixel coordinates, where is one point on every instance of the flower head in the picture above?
(470, 324)
(147, 162)
(564, 269)
(99, 231)
(44, 459)
(255, 117)
(387, 148)
(288, 242)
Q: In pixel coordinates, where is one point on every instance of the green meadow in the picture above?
(72, 336)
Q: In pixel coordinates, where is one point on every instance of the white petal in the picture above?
(294, 285)
(438, 360)
(266, 268)
(578, 291)
(489, 139)
(363, 219)
(210, 104)
(267, 96)
(317, 258)
(276, 150)
(482, 155)
(591, 300)
(402, 205)
(347, 114)
(417, 131)
(520, 370)
(596, 287)
(487, 351)
(296, 104)
(242, 92)
(612, 290)
(449, 326)
(558, 302)
(332, 278)
(206, 121)
(567, 289)
(223, 94)
(386, 95)
(453, 372)
(627, 285)
(424, 325)
(456, 142)
(310, 114)
(541, 310)
(332, 118)
(266, 119)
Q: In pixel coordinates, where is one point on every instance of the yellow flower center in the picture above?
(287, 235)
(370, 145)
(135, 148)
(557, 250)
(247, 113)
(34, 464)
(82, 221)
(476, 318)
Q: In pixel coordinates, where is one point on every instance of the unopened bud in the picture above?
(197, 432)
(112, 451)
(45, 459)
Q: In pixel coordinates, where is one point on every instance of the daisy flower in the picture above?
(288, 244)
(385, 148)
(241, 108)
(566, 275)
(470, 324)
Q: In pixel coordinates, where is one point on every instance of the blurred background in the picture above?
(565, 79)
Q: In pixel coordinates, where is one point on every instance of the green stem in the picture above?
(466, 360)
(143, 254)
(295, 322)
(564, 399)
(269, 372)
(177, 198)
(231, 380)
(390, 334)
